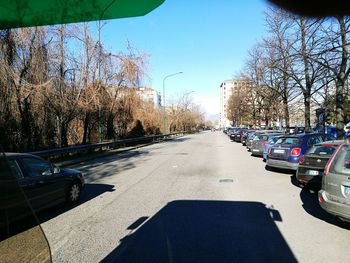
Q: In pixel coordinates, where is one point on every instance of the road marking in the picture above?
(226, 180)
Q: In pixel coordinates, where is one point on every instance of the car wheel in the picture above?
(74, 192)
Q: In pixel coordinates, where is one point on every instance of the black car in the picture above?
(239, 135)
(44, 184)
(235, 134)
(245, 136)
(313, 163)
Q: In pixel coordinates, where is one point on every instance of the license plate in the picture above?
(278, 151)
(313, 172)
(255, 150)
(347, 190)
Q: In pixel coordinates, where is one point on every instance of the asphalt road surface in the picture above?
(199, 198)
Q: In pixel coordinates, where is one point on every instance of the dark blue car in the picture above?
(287, 151)
(44, 184)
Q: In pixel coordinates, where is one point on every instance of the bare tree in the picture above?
(335, 58)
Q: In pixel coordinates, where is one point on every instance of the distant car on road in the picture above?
(334, 197)
(44, 184)
(288, 150)
(313, 163)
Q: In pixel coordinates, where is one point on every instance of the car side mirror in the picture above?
(56, 170)
(47, 173)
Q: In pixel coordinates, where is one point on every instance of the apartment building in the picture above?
(145, 93)
(227, 87)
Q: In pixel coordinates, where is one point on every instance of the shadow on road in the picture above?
(294, 181)
(312, 207)
(182, 139)
(91, 191)
(206, 231)
(22, 225)
(280, 171)
(109, 165)
(256, 156)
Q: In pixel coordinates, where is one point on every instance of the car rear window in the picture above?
(322, 150)
(263, 137)
(289, 140)
(341, 163)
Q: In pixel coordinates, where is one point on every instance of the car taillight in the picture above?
(328, 165)
(263, 144)
(269, 150)
(321, 199)
(302, 159)
(295, 151)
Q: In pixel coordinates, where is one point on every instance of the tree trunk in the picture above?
(286, 112)
(339, 108)
(110, 127)
(308, 84)
(64, 134)
(86, 127)
(307, 116)
(341, 78)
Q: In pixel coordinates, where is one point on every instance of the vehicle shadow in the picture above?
(91, 191)
(256, 156)
(34, 219)
(294, 181)
(312, 207)
(277, 170)
(206, 231)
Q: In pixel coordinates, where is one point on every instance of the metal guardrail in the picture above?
(60, 152)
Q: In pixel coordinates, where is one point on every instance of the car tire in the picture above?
(74, 193)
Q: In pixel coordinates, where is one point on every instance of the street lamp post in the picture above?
(167, 76)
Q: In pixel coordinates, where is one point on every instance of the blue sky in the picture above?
(206, 39)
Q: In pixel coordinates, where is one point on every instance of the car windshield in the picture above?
(289, 140)
(322, 150)
(273, 140)
(263, 137)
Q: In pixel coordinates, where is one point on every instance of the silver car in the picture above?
(259, 143)
(335, 194)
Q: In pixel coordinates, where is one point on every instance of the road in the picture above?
(199, 198)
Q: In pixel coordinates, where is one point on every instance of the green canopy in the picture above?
(26, 13)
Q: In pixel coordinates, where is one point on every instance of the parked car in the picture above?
(259, 143)
(245, 135)
(44, 184)
(238, 135)
(233, 133)
(254, 134)
(230, 131)
(272, 140)
(295, 130)
(334, 197)
(287, 151)
(312, 164)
